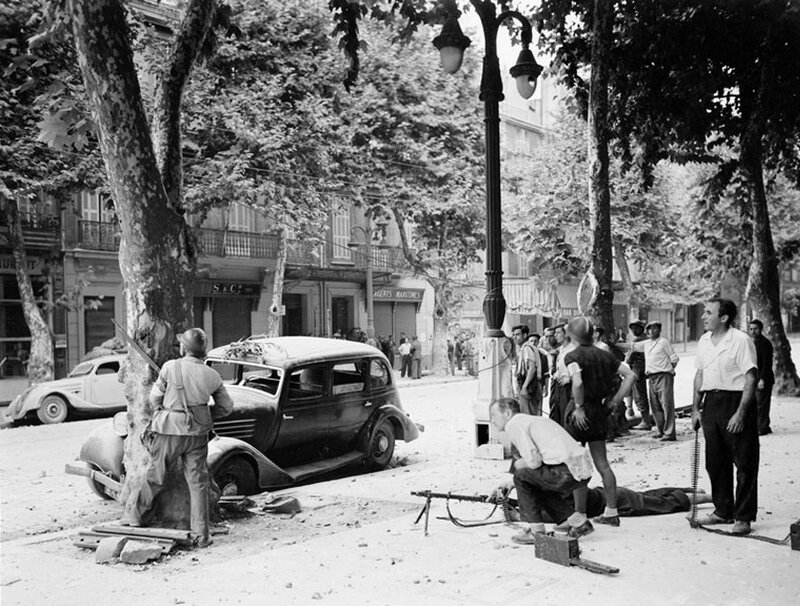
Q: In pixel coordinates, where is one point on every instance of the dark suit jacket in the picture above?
(764, 361)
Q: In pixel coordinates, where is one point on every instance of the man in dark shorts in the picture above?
(593, 372)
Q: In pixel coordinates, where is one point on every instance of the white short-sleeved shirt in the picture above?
(724, 365)
(539, 440)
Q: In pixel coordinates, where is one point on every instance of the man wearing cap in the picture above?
(659, 365)
(636, 362)
(181, 423)
(725, 383)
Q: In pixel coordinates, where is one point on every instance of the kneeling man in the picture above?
(548, 465)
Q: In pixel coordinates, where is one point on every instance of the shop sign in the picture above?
(412, 295)
(235, 289)
(7, 265)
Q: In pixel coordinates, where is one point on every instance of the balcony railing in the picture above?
(226, 243)
(97, 235)
(38, 229)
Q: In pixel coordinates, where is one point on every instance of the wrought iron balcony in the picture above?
(38, 230)
(227, 243)
(97, 235)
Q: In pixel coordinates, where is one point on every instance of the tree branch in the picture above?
(166, 127)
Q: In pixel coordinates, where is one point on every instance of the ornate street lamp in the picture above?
(451, 44)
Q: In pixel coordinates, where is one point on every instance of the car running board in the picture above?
(302, 472)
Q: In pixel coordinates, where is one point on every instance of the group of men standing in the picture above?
(551, 468)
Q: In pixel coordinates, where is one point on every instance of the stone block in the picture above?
(109, 549)
(140, 552)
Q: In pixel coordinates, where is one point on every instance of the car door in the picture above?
(105, 390)
(353, 404)
(305, 413)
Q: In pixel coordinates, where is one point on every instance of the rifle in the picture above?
(135, 346)
(559, 549)
(506, 505)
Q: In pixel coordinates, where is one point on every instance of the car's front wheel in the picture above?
(236, 476)
(381, 445)
(53, 409)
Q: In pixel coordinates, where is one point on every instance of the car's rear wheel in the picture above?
(381, 445)
(236, 476)
(53, 409)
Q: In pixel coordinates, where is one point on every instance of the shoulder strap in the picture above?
(179, 384)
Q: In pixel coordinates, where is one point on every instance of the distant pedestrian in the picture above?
(405, 358)
(725, 385)
(451, 369)
(561, 384)
(459, 352)
(388, 349)
(636, 362)
(766, 377)
(416, 358)
(660, 361)
(527, 373)
(592, 372)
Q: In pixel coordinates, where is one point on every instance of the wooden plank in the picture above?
(180, 536)
(89, 540)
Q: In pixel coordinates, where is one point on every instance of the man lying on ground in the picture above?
(630, 503)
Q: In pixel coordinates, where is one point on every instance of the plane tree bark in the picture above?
(157, 260)
(602, 310)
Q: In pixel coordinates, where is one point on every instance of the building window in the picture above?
(15, 337)
(97, 322)
(341, 236)
(241, 218)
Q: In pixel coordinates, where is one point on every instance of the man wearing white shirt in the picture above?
(725, 384)
(659, 368)
(548, 466)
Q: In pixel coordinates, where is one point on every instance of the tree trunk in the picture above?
(40, 358)
(627, 282)
(602, 310)
(763, 284)
(275, 317)
(441, 324)
(156, 262)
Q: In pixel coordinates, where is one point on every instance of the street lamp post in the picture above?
(451, 44)
(368, 233)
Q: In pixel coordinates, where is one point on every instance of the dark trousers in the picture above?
(724, 450)
(416, 366)
(559, 398)
(546, 490)
(640, 397)
(405, 366)
(530, 401)
(165, 451)
(764, 402)
(656, 501)
(662, 402)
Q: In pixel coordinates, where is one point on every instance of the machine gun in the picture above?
(556, 548)
(508, 507)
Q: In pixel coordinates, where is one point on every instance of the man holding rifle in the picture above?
(181, 423)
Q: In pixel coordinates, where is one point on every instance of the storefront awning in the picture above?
(532, 296)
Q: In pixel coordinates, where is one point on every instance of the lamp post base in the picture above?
(495, 367)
